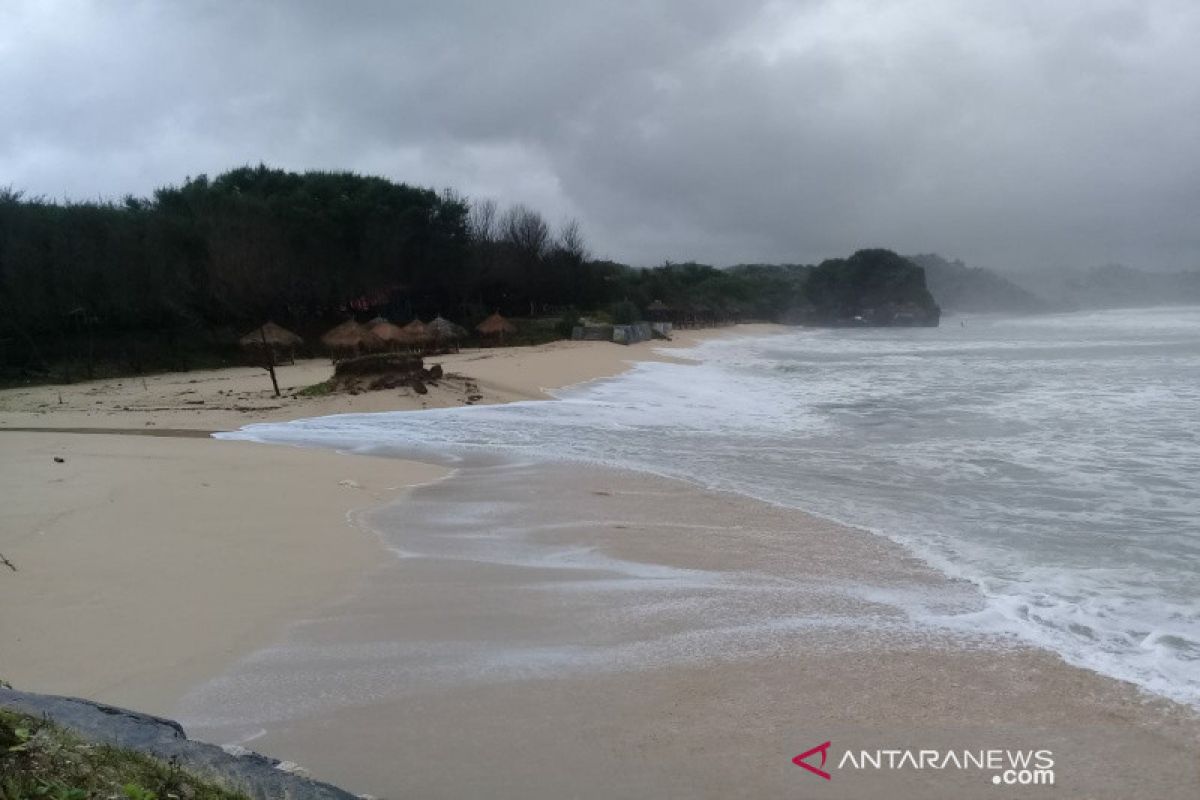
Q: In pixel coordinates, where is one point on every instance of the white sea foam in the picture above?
(1052, 461)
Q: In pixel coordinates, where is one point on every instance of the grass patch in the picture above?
(321, 389)
(41, 761)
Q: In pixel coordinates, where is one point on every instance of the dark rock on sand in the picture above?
(253, 774)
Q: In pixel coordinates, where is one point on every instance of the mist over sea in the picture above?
(1053, 461)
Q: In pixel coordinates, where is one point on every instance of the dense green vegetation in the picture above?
(870, 287)
(40, 761)
(169, 282)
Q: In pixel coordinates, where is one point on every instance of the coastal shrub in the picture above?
(625, 313)
(567, 324)
(321, 389)
(41, 761)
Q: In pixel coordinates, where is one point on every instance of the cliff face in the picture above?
(958, 287)
(870, 288)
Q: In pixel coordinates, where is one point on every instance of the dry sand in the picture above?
(634, 638)
(146, 563)
(226, 399)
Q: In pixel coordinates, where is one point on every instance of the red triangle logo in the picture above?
(823, 749)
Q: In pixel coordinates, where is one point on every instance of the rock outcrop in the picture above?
(384, 371)
(957, 287)
(254, 775)
(870, 288)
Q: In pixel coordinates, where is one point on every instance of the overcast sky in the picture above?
(1006, 133)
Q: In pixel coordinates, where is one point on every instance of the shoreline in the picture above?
(612, 606)
(1036, 683)
(164, 554)
(228, 398)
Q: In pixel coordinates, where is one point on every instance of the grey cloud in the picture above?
(1007, 134)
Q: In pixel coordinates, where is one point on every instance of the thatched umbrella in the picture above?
(415, 335)
(417, 329)
(392, 336)
(445, 332)
(279, 339)
(350, 339)
(497, 326)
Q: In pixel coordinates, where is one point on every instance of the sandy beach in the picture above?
(505, 630)
(226, 399)
(558, 631)
(153, 555)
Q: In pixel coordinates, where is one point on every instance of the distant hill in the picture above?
(1112, 286)
(872, 288)
(957, 287)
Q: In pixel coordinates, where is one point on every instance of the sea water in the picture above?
(1053, 461)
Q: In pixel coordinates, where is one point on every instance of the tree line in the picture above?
(169, 281)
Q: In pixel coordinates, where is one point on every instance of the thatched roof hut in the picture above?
(496, 325)
(275, 335)
(350, 338)
(391, 335)
(281, 342)
(443, 329)
(417, 329)
(415, 334)
(445, 333)
(658, 311)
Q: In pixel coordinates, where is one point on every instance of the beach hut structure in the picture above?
(702, 316)
(495, 327)
(350, 339)
(272, 339)
(392, 336)
(658, 311)
(416, 335)
(446, 335)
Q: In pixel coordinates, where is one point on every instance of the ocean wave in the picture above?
(1048, 460)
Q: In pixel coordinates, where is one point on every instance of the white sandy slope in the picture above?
(146, 563)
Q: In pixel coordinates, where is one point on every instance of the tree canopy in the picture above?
(156, 282)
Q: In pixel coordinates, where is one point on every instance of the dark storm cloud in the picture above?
(1009, 134)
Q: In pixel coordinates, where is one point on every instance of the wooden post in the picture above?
(269, 354)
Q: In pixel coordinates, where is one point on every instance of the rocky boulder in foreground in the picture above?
(254, 775)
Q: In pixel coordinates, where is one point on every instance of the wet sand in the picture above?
(569, 631)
